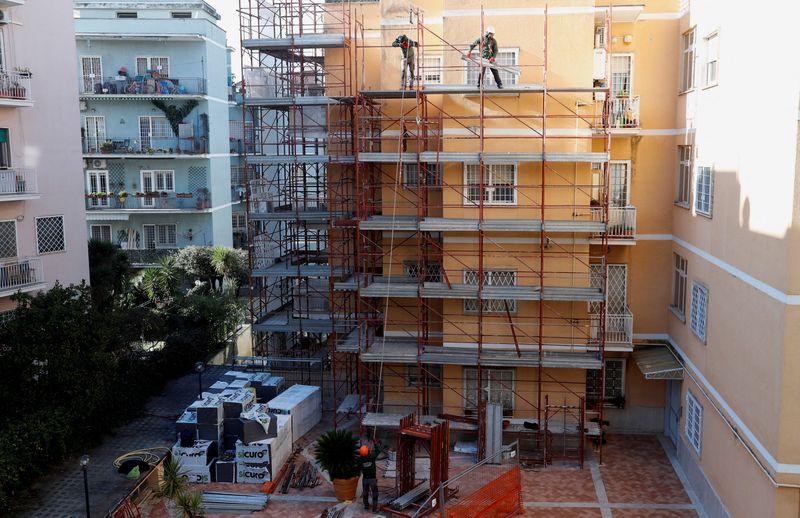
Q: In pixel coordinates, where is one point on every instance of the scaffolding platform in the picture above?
(310, 41)
(410, 223)
(320, 216)
(298, 100)
(487, 157)
(407, 287)
(285, 269)
(299, 159)
(392, 421)
(285, 321)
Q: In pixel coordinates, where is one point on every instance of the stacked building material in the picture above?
(259, 461)
(303, 403)
(219, 502)
(197, 461)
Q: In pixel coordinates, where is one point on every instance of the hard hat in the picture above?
(364, 450)
(490, 29)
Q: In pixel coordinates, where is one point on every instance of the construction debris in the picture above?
(233, 503)
(306, 476)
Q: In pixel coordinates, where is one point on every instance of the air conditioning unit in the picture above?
(600, 37)
(97, 163)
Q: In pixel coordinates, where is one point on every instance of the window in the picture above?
(432, 70)
(687, 61)
(148, 64)
(97, 182)
(491, 278)
(684, 184)
(432, 178)
(127, 14)
(704, 190)
(8, 239)
(694, 421)
(679, 276)
(160, 236)
(433, 374)
(499, 184)
(620, 184)
(711, 69)
(508, 57)
(433, 271)
(156, 181)
(497, 385)
(152, 129)
(181, 14)
(239, 222)
(613, 382)
(92, 74)
(621, 75)
(94, 132)
(699, 310)
(5, 149)
(50, 234)
(101, 232)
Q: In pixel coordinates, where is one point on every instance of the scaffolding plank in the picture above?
(306, 41)
(288, 215)
(409, 223)
(284, 321)
(285, 269)
(299, 159)
(298, 100)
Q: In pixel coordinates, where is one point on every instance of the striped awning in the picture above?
(658, 363)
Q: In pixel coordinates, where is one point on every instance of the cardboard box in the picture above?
(252, 473)
(225, 471)
(209, 410)
(274, 451)
(303, 403)
(217, 387)
(187, 421)
(258, 424)
(258, 379)
(236, 402)
(239, 384)
(199, 454)
(200, 474)
(233, 376)
(270, 388)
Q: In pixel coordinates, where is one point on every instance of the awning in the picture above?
(106, 216)
(658, 363)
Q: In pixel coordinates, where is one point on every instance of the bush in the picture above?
(336, 452)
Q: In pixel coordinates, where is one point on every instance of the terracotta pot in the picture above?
(345, 488)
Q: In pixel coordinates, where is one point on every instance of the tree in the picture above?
(230, 263)
(161, 283)
(109, 271)
(196, 261)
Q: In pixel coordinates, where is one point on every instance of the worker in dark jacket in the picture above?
(489, 53)
(407, 48)
(369, 473)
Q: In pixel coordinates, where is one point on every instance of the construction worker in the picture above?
(407, 48)
(489, 53)
(369, 473)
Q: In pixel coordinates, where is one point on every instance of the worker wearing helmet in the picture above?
(407, 48)
(489, 47)
(369, 482)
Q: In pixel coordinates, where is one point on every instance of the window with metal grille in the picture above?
(154, 128)
(432, 70)
(694, 421)
(508, 57)
(679, 276)
(8, 239)
(497, 386)
(50, 234)
(160, 236)
(91, 73)
(499, 184)
(704, 190)
(101, 232)
(432, 176)
(95, 132)
(613, 382)
(161, 180)
(687, 61)
(683, 191)
(491, 278)
(622, 75)
(237, 175)
(699, 310)
(433, 271)
(147, 64)
(239, 221)
(431, 373)
(712, 59)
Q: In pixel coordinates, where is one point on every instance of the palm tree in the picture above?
(229, 263)
(160, 283)
(190, 505)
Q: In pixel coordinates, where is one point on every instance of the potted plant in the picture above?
(622, 93)
(139, 194)
(122, 197)
(337, 453)
(106, 147)
(190, 505)
(173, 484)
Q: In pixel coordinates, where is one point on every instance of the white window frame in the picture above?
(688, 57)
(487, 372)
(680, 279)
(63, 234)
(693, 422)
(683, 197)
(489, 186)
(507, 77)
(432, 72)
(97, 202)
(99, 123)
(87, 78)
(698, 319)
(489, 305)
(100, 230)
(410, 175)
(156, 243)
(150, 65)
(146, 137)
(3, 57)
(631, 60)
(627, 164)
(16, 239)
(711, 44)
(158, 179)
(703, 189)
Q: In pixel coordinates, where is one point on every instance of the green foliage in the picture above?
(337, 453)
(196, 262)
(174, 480)
(190, 505)
(160, 283)
(175, 114)
(109, 271)
(230, 263)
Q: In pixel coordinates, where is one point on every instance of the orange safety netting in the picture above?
(499, 498)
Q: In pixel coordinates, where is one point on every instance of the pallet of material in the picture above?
(258, 462)
(303, 403)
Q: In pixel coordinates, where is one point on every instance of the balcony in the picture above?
(621, 223)
(620, 115)
(144, 147)
(18, 184)
(150, 202)
(15, 89)
(141, 87)
(619, 329)
(20, 275)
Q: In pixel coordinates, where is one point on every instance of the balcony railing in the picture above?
(621, 221)
(623, 113)
(148, 201)
(15, 87)
(619, 328)
(20, 273)
(149, 146)
(147, 256)
(143, 85)
(18, 182)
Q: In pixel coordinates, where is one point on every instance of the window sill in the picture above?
(684, 92)
(704, 214)
(681, 205)
(680, 316)
(712, 85)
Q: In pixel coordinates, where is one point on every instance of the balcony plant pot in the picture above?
(345, 489)
(336, 452)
